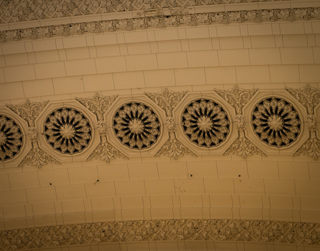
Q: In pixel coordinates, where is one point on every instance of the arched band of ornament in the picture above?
(276, 122)
(205, 123)
(11, 138)
(68, 131)
(136, 125)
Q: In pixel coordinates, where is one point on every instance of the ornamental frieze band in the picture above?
(162, 230)
(165, 123)
(155, 20)
(28, 10)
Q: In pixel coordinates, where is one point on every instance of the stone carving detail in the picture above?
(238, 98)
(276, 122)
(27, 10)
(67, 130)
(36, 157)
(301, 233)
(136, 125)
(310, 98)
(11, 138)
(99, 105)
(205, 123)
(29, 111)
(168, 100)
(156, 20)
(307, 96)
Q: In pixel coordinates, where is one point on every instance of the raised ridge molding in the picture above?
(302, 233)
(28, 10)
(174, 18)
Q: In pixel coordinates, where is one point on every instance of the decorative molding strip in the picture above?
(168, 101)
(161, 21)
(162, 230)
(190, 124)
(29, 10)
(30, 111)
(99, 105)
(309, 98)
(238, 98)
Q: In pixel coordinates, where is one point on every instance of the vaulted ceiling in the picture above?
(159, 125)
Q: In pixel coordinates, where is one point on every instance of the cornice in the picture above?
(29, 10)
(299, 233)
(174, 18)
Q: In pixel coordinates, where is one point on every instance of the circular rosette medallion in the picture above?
(276, 122)
(205, 123)
(136, 125)
(68, 131)
(11, 138)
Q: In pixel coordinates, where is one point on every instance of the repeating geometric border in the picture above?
(172, 142)
(156, 20)
(301, 233)
(29, 10)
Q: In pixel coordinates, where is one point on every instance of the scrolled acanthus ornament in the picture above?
(168, 100)
(205, 123)
(11, 138)
(276, 122)
(30, 111)
(67, 130)
(238, 98)
(309, 97)
(99, 104)
(136, 126)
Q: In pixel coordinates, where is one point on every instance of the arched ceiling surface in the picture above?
(141, 125)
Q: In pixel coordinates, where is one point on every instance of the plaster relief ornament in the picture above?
(146, 18)
(310, 98)
(217, 230)
(168, 100)
(11, 138)
(99, 104)
(238, 98)
(136, 125)
(30, 111)
(68, 131)
(276, 122)
(205, 123)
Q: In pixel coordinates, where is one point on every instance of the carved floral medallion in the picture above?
(276, 122)
(68, 131)
(136, 125)
(205, 123)
(11, 138)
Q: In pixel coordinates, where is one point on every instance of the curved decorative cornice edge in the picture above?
(29, 10)
(162, 21)
(301, 233)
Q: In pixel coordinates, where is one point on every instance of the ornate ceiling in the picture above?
(226, 162)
